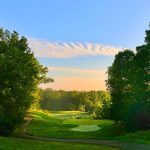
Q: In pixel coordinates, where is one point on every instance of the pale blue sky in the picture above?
(113, 22)
(117, 23)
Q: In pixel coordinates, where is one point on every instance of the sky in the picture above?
(77, 39)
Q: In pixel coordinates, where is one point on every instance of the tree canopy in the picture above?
(129, 84)
(20, 74)
(96, 103)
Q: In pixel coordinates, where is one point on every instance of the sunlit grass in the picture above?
(87, 122)
(69, 114)
(50, 125)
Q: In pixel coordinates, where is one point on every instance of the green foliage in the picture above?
(129, 84)
(20, 73)
(142, 137)
(47, 80)
(119, 82)
(95, 102)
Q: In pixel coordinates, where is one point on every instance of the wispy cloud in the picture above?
(43, 48)
(67, 69)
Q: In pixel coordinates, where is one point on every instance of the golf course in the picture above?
(75, 75)
(71, 130)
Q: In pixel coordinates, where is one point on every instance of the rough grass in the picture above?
(22, 144)
(142, 137)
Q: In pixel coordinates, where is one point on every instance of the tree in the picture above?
(129, 84)
(119, 82)
(20, 74)
(140, 109)
(97, 103)
(104, 98)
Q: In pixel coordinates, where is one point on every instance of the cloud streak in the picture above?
(67, 69)
(43, 48)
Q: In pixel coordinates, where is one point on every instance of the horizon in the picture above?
(75, 43)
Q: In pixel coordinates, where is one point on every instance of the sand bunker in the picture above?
(86, 128)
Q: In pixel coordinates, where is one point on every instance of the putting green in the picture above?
(86, 128)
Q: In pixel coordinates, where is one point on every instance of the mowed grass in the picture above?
(22, 144)
(68, 114)
(60, 125)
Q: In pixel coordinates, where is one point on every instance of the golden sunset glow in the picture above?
(77, 79)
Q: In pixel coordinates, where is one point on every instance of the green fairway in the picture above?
(21, 144)
(50, 124)
(68, 114)
(64, 124)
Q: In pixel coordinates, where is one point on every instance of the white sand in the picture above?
(86, 128)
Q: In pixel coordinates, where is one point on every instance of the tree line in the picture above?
(129, 85)
(96, 103)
